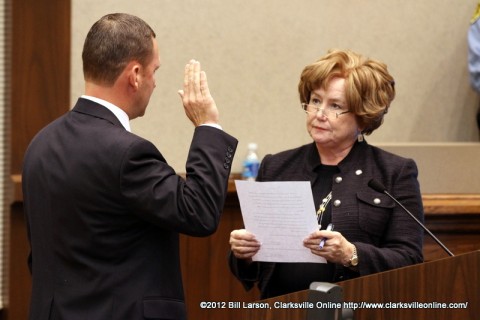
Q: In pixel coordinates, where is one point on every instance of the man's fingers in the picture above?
(204, 85)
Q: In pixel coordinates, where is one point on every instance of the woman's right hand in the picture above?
(243, 244)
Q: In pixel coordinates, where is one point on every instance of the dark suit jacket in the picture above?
(385, 236)
(104, 211)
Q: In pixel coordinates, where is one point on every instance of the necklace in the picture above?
(322, 208)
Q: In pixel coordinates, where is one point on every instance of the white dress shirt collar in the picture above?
(119, 113)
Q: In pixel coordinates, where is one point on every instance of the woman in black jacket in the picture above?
(345, 96)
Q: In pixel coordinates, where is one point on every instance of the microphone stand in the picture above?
(420, 223)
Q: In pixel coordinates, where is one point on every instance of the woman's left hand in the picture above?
(336, 248)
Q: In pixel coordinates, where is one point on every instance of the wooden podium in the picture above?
(448, 288)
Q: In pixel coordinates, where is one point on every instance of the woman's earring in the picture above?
(360, 137)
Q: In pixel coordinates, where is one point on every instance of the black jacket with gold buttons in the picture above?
(385, 236)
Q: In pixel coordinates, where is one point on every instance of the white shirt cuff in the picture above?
(215, 125)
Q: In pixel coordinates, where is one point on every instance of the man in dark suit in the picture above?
(103, 207)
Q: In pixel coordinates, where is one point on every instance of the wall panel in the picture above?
(40, 92)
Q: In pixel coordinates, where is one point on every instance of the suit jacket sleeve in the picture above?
(193, 205)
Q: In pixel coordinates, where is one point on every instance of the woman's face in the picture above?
(332, 126)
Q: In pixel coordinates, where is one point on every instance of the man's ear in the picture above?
(134, 76)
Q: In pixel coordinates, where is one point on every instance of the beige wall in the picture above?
(254, 51)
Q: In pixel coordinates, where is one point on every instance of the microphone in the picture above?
(377, 186)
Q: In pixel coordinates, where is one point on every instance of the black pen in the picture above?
(322, 243)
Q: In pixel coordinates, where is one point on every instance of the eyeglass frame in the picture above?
(304, 107)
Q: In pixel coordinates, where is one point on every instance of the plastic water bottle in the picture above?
(251, 163)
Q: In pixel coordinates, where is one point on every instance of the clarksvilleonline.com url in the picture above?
(331, 305)
(396, 305)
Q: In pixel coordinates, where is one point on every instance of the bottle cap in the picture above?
(252, 146)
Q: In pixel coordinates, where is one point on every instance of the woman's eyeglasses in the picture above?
(330, 111)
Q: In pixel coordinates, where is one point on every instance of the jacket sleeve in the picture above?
(248, 275)
(192, 206)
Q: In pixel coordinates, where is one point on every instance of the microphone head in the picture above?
(377, 186)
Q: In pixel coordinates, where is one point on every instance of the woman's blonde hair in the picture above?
(369, 88)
